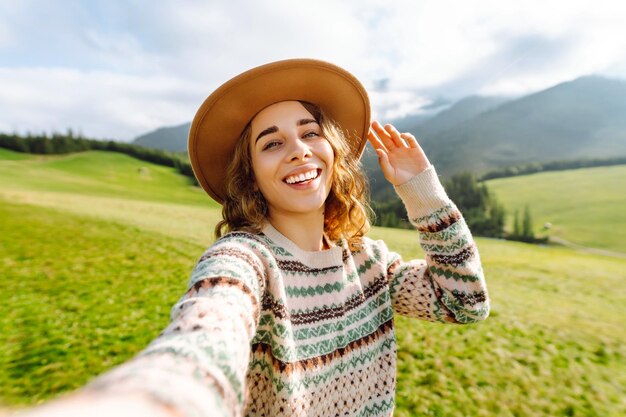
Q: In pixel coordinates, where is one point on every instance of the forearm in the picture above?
(452, 264)
(170, 382)
(197, 365)
(96, 405)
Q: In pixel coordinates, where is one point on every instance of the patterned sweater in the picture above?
(268, 329)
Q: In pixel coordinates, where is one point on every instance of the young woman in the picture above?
(290, 312)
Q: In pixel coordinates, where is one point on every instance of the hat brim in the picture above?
(220, 120)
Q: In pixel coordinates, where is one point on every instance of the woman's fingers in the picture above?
(410, 140)
(381, 151)
(375, 141)
(390, 138)
(395, 136)
(383, 136)
(385, 166)
(400, 155)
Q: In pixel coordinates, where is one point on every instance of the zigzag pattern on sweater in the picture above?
(367, 346)
(325, 312)
(298, 268)
(289, 352)
(455, 259)
(446, 248)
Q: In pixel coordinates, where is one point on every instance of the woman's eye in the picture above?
(311, 134)
(270, 145)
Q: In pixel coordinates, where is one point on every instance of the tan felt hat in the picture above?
(220, 120)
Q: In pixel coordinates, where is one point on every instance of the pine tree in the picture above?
(527, 226)
(482, 212)
(517, 227)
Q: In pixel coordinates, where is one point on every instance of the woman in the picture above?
(290, 312)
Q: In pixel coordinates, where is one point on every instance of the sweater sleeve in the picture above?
(448, 285)
(197, 365)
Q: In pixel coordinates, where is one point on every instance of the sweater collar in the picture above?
(317, 259)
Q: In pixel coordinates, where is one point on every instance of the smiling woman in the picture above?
(290, 312)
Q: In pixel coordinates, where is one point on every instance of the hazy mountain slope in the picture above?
(425, 130)
(172, 138)
(175, 138)
(463, 110)
(584, 118)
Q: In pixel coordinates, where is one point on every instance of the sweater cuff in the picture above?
(423, 194)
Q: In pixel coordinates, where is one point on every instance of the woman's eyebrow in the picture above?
(303, 122)
(269, 130)
(274, 129)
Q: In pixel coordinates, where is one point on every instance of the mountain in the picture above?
(175, 138)
(462, 110)
(425, 129)
(584, 118)
(579, 119)
(409, 122)
(172, 138)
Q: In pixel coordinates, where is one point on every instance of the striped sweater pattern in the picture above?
(267, 329)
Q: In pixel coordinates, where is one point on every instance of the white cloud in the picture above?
(98, 104)
(118, 69)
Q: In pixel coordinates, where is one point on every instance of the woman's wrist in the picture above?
(99, 405)
(423, 193)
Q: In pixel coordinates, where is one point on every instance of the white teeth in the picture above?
(301, 177)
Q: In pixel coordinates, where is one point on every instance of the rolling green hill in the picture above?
(584, 206)
(111, 186)
(94, 254)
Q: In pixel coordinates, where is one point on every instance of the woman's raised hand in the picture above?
(400, 156)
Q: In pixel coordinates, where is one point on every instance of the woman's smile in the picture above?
(303, 178)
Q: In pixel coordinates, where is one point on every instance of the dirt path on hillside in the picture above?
(586, 249)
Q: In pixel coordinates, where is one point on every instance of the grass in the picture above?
(584, 206)
(8, 155)
(553, 346)
(88, 277)
(78, 296)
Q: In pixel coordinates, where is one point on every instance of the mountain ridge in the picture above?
(169, 138)
(577, 119)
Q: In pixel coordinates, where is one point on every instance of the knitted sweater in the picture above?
(268, 329)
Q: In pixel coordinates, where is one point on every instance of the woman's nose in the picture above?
(299, 150)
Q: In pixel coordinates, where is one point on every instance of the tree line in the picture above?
(56, 144)
(484, 215)
(532, 168)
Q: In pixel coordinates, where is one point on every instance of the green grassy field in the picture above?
(585, 206)
(112, 187)
(94, 254)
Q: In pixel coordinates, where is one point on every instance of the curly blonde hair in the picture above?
(346, 213)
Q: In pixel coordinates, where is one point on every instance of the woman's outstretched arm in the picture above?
(197, 366)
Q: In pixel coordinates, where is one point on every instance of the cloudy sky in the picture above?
(118, 69)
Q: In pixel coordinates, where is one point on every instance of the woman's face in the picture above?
(291, 160)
